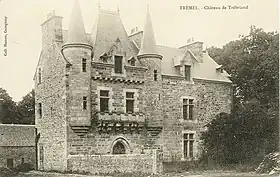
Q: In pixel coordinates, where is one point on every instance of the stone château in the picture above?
(110, 101)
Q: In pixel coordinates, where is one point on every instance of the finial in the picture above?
(118, 10)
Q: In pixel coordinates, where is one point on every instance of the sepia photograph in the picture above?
(130, 88)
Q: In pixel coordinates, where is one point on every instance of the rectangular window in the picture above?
(187, 72)
(188, 106)
(84, 65)
(41, 156)
(188, 141)
(118, 64)
(40, 109)
(10, 163)
(39, 75)
(22, 160)
(104, 100)
(129, 102)
(84, 102)
(155, 75)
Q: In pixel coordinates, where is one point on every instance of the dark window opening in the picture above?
(40, 109)
(188, 145)
(188, 107)
(119, 148)
(155, 75)
(132, 62)
(22, 160)
(187, 72)
(104, 100)
(10, 163)
(118, 64)
(41, 156)
(39, 75)
(84, 102)
(129, 102)
(84, 65)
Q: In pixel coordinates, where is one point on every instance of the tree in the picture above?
(8, 108)
(26, 108)
(252, 128)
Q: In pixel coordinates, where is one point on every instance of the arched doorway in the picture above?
(119, 148)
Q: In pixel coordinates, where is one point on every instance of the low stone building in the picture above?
(17, 145)
(109, 101)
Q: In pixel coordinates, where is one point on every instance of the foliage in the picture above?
(8, 108)
(251, 130)
(26, 108)
(17, 113)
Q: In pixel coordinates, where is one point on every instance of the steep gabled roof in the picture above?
(205, 70)
(17, 135)
(76, 30)
(107, 29)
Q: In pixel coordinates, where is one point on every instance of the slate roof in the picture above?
(201, 70)
(109, 28)
(76, 30)
(148, 43)
(17, 135)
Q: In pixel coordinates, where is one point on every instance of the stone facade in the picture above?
(79, 131)
(17, 145)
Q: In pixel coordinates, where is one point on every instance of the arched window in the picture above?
(119, 148)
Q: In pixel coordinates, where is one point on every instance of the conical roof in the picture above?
(148, 44)
(76, 30)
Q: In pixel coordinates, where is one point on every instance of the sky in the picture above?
(172, 26)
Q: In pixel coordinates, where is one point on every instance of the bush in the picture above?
(270, 164)
(6, 172)
(25, 167)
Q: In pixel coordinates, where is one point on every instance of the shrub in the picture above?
(25, 167)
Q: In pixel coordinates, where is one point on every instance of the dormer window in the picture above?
(118, 64)
(104, 57)
(220, 69)
(131, 61)
(188, 72)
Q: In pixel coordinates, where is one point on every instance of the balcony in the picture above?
(117, 122)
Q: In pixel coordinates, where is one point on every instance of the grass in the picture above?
(173, 174)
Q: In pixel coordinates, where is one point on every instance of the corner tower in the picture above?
(150, 58)
(77, 50)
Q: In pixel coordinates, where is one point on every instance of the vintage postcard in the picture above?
(139, 88)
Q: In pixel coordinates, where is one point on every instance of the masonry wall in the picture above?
(211, 98)
(150, 162)
(52, 125)
(17, 153)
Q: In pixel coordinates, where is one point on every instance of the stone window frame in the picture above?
(40, 110)
(110, 101)
(124, 141)
(40, 72)
(136, 100)
(181, 109)
(84, 65)
(123, 74)
(85, 103)
(195, 143)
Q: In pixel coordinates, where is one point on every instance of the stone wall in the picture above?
(150, 162)
(51, 94)
(210, 98)
(18, 154)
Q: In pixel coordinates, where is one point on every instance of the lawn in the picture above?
(187, 174)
